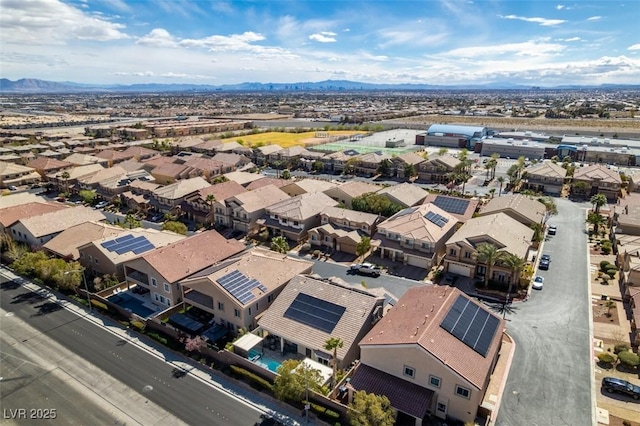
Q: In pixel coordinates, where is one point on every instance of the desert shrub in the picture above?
(620, 347)
(629, 359)
(604, 264)
(607, 358)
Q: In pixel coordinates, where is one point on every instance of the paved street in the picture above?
(550, 381)
(190, 398)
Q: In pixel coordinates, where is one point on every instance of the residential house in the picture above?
(78, 159)
(546, 177)
(92, 181)
(140, 153)
(113, 156)
(65, 244)
(15, 174)
(287, 158)
(119, 184)
(170, 173)
(250, 206)
(416, 236)
(407, 161)
(437, 169)
(35, 231)
(160, 270)
(634, 181)
(259, 183)
(348, 314)
(626, 220)
(345, 193)
(200, 208)
(231, 161)
(209, 168)
(243, 178)
(45, 166)
(342, 229)
(10, 214)
(228, 147)
(207, 147)
(67, 180)
(418, 358)
(307, 186)
(239, 290)
(169, 198)
(293, 217)
(520, 207)
(597, 179)
(501, 230)
(108, 254)
(404, 194)
(460, 208)
(261, 154)
(341, 162)
(369, 164)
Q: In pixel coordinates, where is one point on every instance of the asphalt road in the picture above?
(188, 398)
(550, 381)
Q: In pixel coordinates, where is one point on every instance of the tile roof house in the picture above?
(107, 254)
(598, 179)
(246, 208)
(45, 166)
(35, 231)
(113, 156)
(262, 153)
(78, 159)
(437, 169)
(231, 161)
(167, 198)
(346, 192)
(119, 184)
(416, 236)
(293, 217)
(264, 273)
(348, 314)
(304, 186)
(520, 207)
(169, 173)
(278, 183)
(209, 168)
(140, 153)
(160, 270)
(420, 359)
(499, 229)
(10, 214)
(404, 194)
(65, 244)
(402, 161)
(368, 164)
(198, 208)
(92, 181)
(243, 178)
(626, 220)
(460, 208)
(546, 177)
(16, 174)
(75, 175)
(342, 229)
(341, 162)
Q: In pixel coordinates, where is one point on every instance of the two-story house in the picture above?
(416, 235)
(437, 169)
(342, 229)
(525, 210)
(597, 178)
(368, 164)
(170, 197)
(294, 216)
(208, 206)
(433, 354)
(346, 192)
(248, 207)
(241, 288)
(546, 177)
(404, 194)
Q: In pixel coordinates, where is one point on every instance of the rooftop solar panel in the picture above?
(135, 244)
(124, 238)
(451, 205)
(471, 324)
(436, 218)
(240, 286)
(314, 312)
(109, 244)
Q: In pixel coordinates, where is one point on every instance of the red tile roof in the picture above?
(188, 256)
(416, 319)
(10, 215)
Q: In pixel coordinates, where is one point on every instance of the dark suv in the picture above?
(612, 384)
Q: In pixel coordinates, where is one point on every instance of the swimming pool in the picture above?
(132, 304)
(263, 361)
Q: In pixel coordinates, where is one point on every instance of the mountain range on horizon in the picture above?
(35, 86)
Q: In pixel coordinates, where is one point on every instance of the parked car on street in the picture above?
(102, 204)
(538, 283)
(365, 269)
(613, 384)
(545, 262)
(553, 229)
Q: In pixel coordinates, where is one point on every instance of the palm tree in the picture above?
(210, 200)
(332, 345)
(494, 164)
(538, 232)
(492, 191)
(65, 177)
(598, 200)
(596, 220)
(516, 264)
(488, 254)
(551, 209)
(443, 151)
(501, 182)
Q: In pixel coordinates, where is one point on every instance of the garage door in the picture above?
(418, 261)
(458, 269)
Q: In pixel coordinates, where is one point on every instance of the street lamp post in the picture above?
(86, 287)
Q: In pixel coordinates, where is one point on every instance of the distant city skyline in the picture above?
(537, 43)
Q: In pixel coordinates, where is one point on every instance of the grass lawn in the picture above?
(286, 140)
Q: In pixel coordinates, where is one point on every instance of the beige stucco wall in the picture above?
(393, 359)
(88, 256)
(174, 294)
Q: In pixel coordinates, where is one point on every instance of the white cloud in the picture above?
(43, 22)
(376, 58)
(634, 47)
(323, 37)
(560, 7)
(594, 18)
(570, 39)
(542, 21)
(231, 43)
(158, 37)
(528, 48)
(135, 74)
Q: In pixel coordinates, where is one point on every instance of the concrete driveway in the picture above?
(551, 380)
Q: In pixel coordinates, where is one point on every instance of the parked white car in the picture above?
(366, 269)
(538, 283)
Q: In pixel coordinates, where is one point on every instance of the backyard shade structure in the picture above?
(215, 333)
(185, 322)
(247, 342)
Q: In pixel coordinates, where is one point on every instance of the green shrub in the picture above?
(256, 381)
(158, 338)
(620, 347)
(99, 304)
(323, 412)
(629, 359)
(607, 358)
(604, 265)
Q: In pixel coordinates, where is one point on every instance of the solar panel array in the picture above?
(314, 312)
(240, 286)
(471, 324)
(436, 218)
(128, 243)
(451, 205)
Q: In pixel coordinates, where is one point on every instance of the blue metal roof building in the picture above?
(471, 134)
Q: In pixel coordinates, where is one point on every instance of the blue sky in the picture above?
(542, 43)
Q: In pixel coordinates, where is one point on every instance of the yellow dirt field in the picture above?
(287, 140)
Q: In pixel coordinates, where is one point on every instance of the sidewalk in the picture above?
(239, 391)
